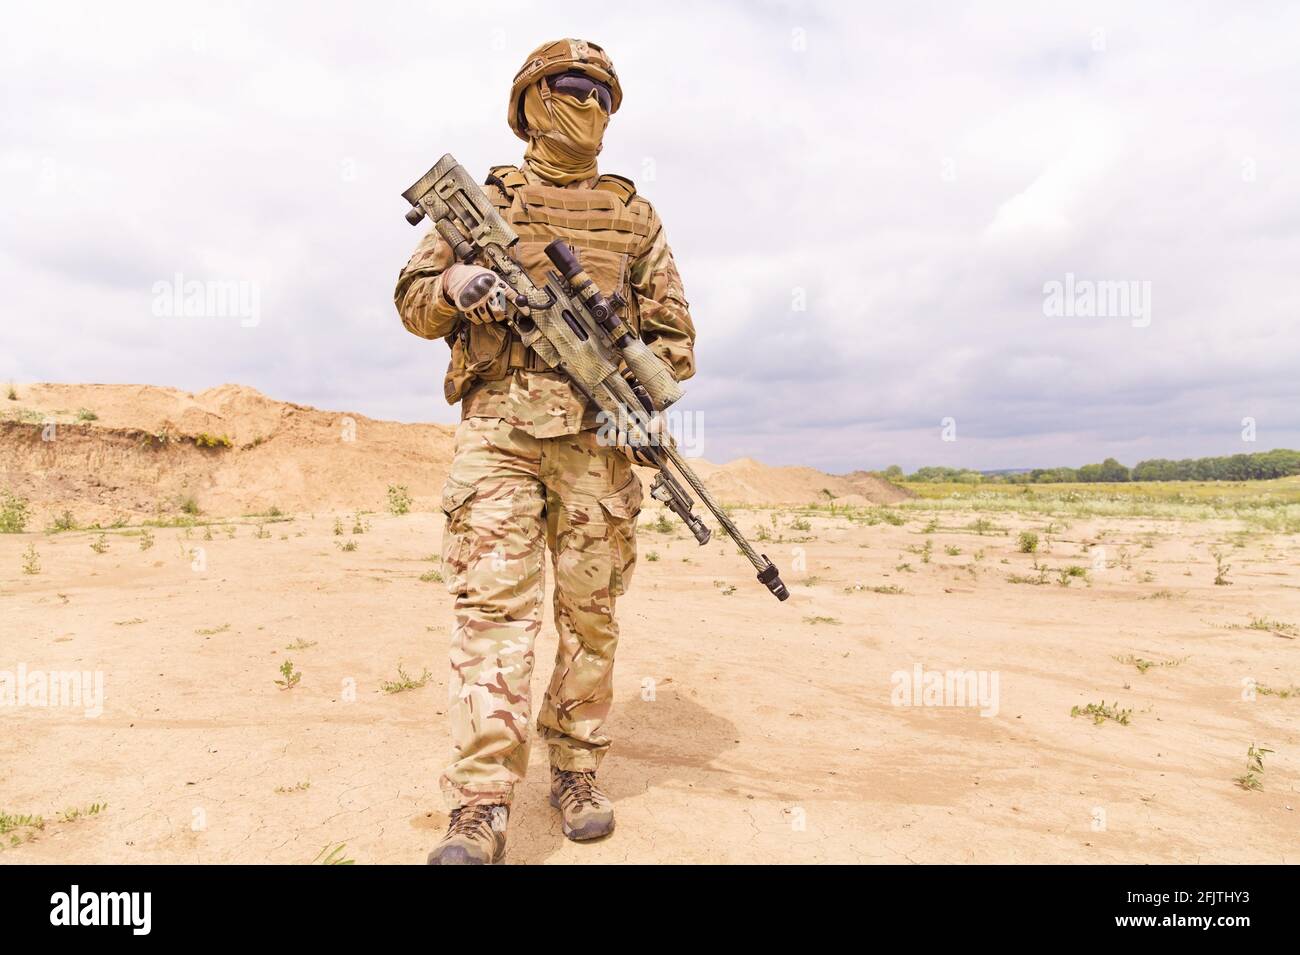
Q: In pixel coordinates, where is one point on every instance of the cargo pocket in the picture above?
(487, 350)
(621, 509)
(456, 542)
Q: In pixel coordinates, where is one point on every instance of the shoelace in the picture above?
(578, 786)
(466, 820)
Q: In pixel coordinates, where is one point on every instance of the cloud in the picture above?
(865, 205)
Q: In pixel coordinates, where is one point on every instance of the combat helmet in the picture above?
(561, 56)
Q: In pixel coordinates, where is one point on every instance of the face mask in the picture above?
(565, 134)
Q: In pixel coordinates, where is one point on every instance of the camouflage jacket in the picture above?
(621, 243)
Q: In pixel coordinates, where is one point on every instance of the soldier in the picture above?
(529, 472)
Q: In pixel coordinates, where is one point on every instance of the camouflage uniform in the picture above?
(528, 465)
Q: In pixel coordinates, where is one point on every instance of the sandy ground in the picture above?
(746, 730)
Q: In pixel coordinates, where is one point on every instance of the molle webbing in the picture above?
(593, 218)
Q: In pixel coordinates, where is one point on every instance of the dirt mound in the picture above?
(746, 481)
(113, 451)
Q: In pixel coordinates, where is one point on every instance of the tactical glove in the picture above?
(476, 292)
(657, 434)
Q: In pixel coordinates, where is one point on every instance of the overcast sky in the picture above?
(866, 202)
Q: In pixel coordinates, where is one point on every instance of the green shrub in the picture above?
(399, 499)
(14, 514)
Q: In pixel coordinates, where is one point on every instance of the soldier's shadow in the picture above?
(669, 741)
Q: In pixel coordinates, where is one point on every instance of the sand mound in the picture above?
(108, 451)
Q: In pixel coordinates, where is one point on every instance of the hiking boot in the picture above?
(476, 835)
(586, 812)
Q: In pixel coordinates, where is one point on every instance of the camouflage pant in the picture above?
(506, 490)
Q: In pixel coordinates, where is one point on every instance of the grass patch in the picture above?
(333, 855)
(1288, 630)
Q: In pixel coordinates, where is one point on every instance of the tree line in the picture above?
(1233, 467)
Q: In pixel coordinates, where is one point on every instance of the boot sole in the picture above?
(462, 857)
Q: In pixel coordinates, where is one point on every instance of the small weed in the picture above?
(1025, 579)
(814, 621)
(1285, 693)
(72, 815)
(399, 499)
(1144, 665)
(31, 560)
(1221, 568)
(1254, 768)
(404, 681)
(1066, 574)
(64, 522)
(652, 556)
(429, 576)
(290, 676)
(146, 539)
(1103, 711)
(100, 544)
(1027, 542)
